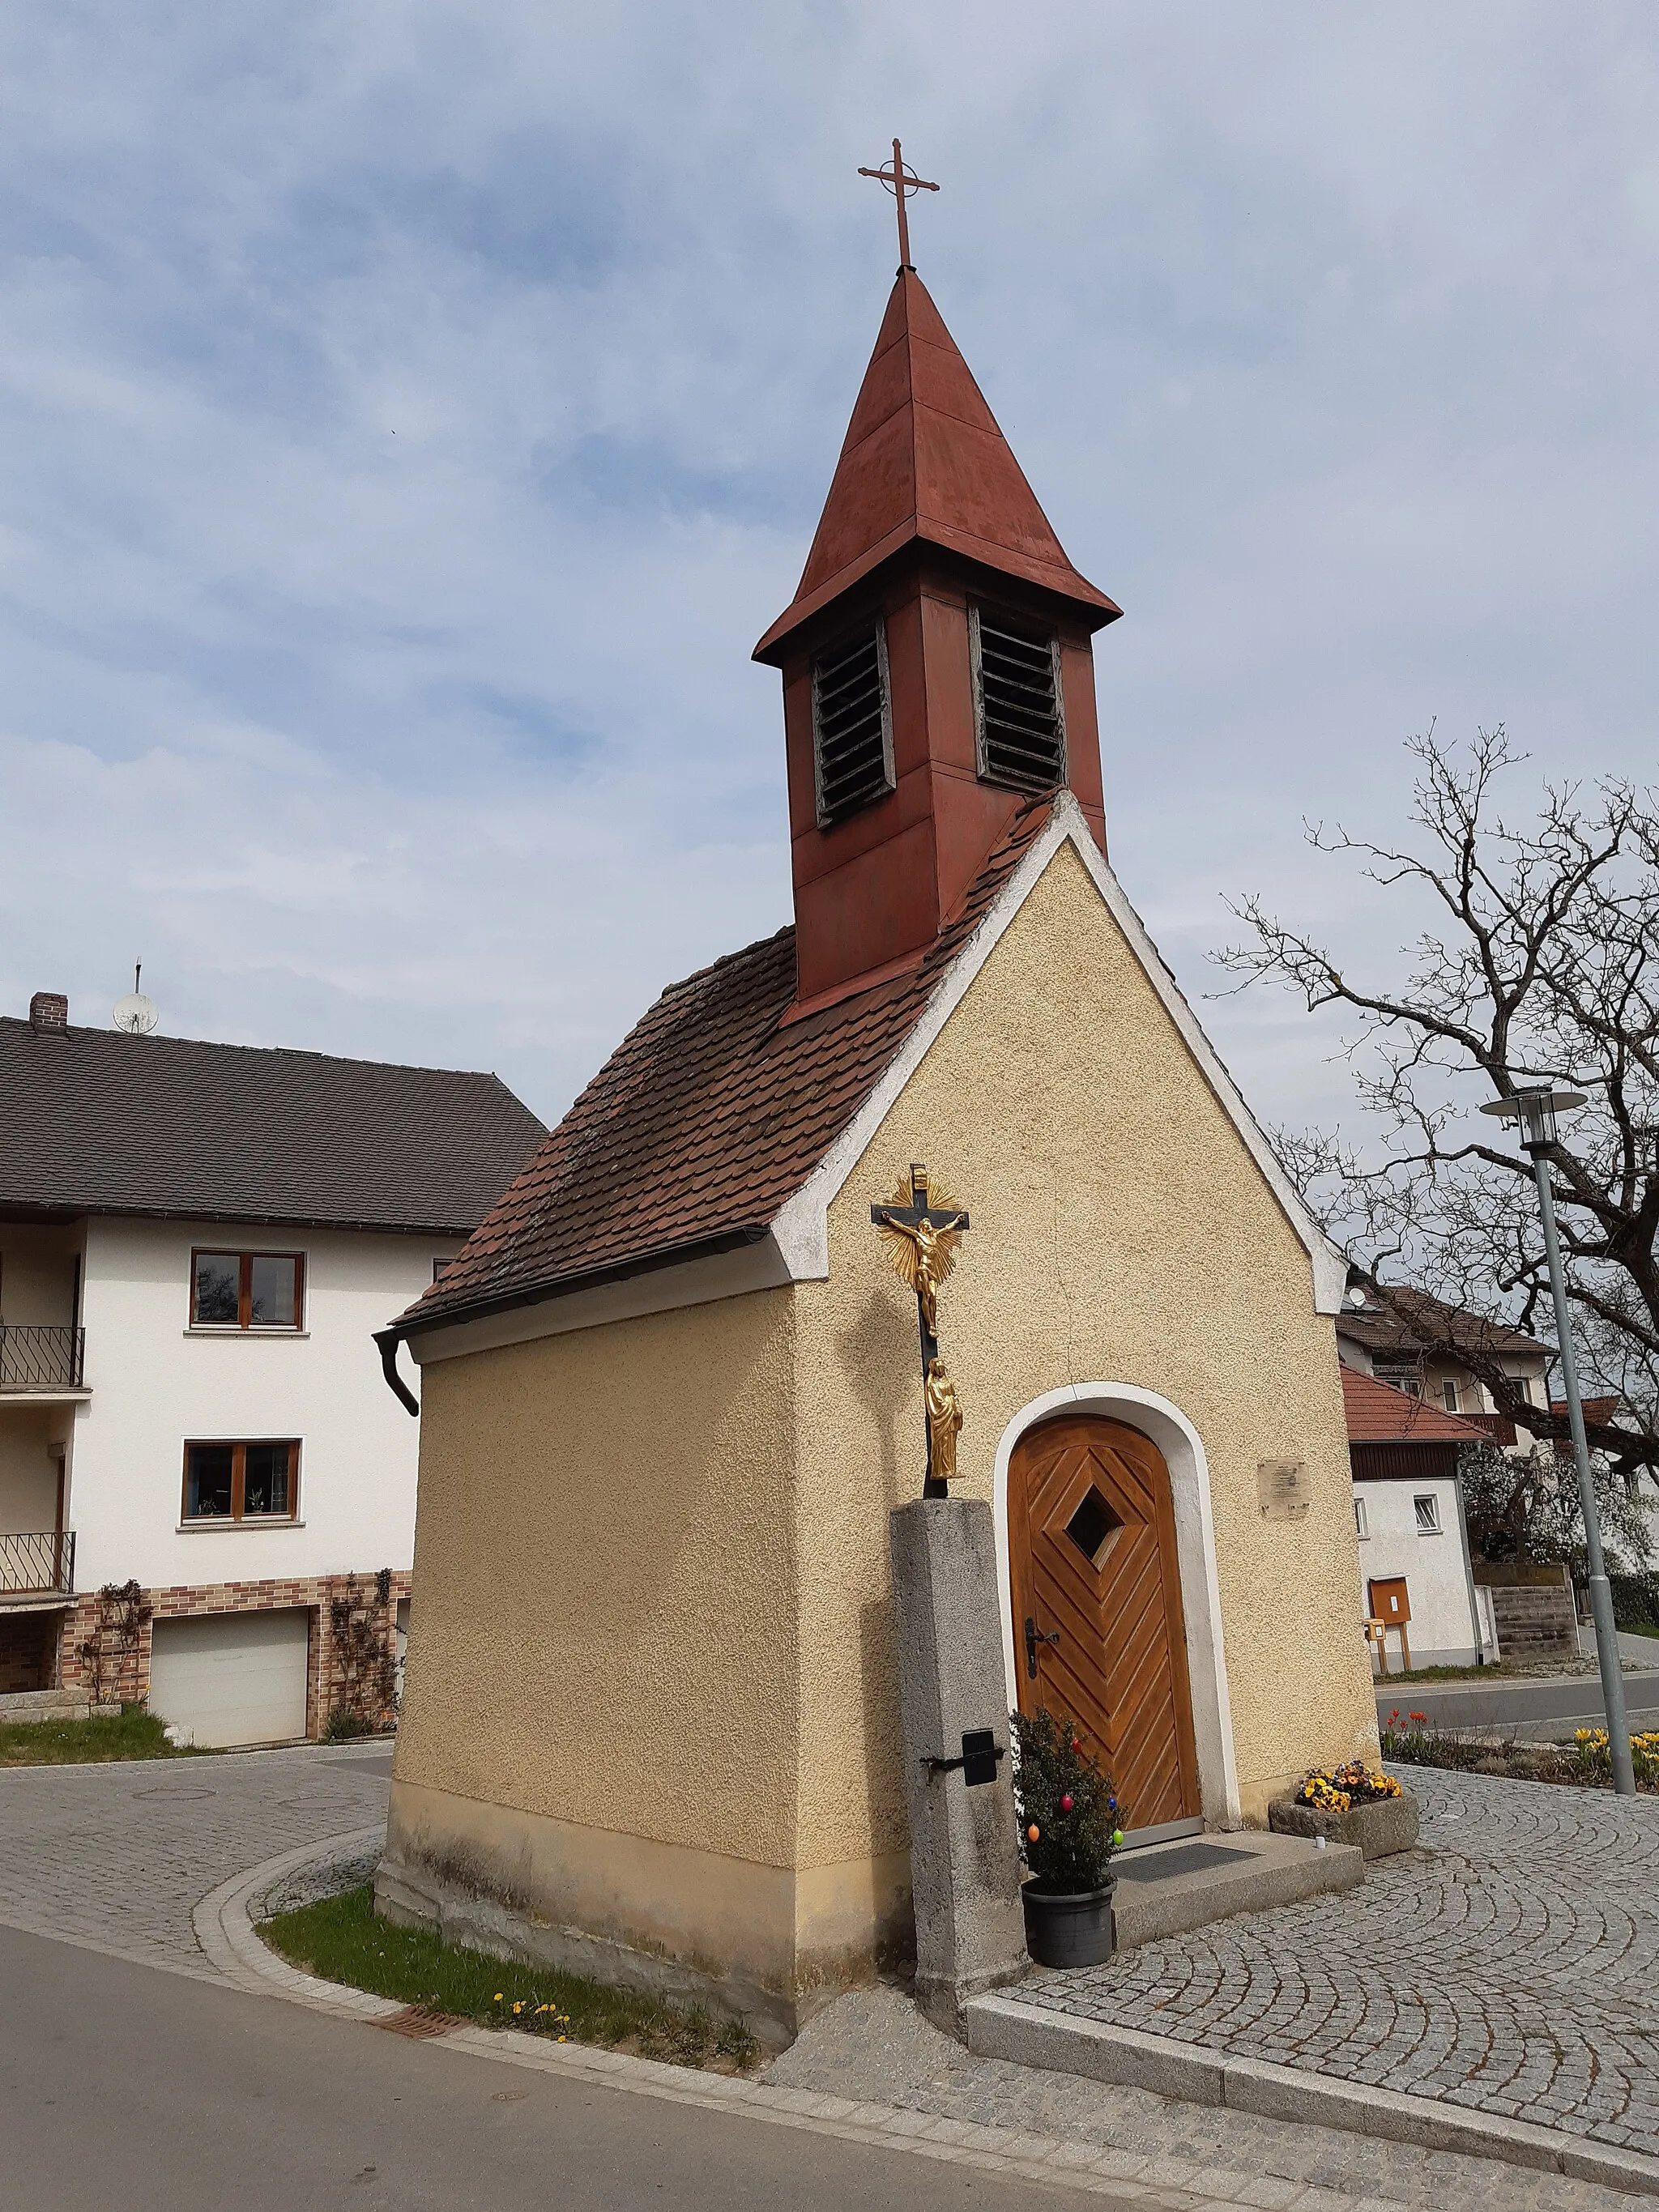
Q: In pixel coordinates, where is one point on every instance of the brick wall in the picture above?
(125, 1661)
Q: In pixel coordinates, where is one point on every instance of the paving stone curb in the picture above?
(1028, 2035)
(225, 1929)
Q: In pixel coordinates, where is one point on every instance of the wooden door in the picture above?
(1098, 1631)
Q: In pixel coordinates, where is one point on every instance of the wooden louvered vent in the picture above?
(851, 726)
(1017, 698)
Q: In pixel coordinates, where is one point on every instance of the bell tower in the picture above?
(937, 661)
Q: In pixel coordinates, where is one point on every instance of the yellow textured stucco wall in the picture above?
(1121, 1233)
(603, 1626)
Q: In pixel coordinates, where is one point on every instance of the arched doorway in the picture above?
(1098, 1627)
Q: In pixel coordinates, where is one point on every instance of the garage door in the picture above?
(232, 1678)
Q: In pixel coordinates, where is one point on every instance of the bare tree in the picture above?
(1540, 962)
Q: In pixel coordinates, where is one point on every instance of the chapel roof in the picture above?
(97, 1121)
(1378, 1413)
(925, 460)
(707, 1119)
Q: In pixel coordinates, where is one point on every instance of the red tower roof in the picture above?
(924, 460)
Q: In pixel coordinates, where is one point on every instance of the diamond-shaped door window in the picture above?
(1091, 1525)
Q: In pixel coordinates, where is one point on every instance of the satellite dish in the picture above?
(136, 1014)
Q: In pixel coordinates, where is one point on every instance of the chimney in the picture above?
(49, 1013)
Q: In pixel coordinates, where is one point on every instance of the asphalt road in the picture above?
(1551, 1708)
(122, 2086)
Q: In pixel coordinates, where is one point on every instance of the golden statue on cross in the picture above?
(924, 1228)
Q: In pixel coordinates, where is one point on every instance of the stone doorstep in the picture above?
(1270, 1871)
(1030, 2035)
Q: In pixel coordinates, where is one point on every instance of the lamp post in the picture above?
(1535, 1107)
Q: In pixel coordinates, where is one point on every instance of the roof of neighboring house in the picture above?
(709, 1116)
(1378, 1413)
(1406, 1323)
(1596, 1410)
(97, 1122)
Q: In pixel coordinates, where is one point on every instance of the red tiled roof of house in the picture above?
(1379, 1414)
(1596, 1410)
(709, 1116)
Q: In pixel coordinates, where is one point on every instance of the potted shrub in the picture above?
(1069, 1828)
(1353, 1804)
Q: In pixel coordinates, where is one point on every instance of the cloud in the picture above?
(412, 414)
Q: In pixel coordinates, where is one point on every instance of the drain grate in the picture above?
(1185, 1858)
(418, 2022)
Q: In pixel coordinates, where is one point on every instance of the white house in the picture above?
(207, 1493)
(1416, 1574)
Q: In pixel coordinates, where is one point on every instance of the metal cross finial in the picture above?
(901, 181)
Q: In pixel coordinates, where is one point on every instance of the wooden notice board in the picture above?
(1390, 1603)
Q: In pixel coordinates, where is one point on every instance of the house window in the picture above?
(1409, 1379)
(1448, 1393)
(851, 726)
(1427, 1509)
(1361, 1518)
(241, 1481)
(1019, 715)
(247, 1290)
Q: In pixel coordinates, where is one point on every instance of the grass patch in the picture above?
(341, 1939)
(132, 1732)
(1494, 1671)
(1583, 1763)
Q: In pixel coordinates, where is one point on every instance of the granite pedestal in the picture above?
(964, 1861)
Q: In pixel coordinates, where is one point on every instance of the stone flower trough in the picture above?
(1389, 1825)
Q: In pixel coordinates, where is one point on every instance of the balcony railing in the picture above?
(42, 1356)
(39, 1563)
(1497, 1426)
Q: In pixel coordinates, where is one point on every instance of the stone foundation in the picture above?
(765, 1944)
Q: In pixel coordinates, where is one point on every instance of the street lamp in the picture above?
(1535, 1107)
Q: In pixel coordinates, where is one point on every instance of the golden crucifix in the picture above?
(925, 1227)
(900, 181)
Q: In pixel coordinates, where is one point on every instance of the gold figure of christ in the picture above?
(924, 1252)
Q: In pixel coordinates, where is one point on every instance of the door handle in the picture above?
(1032, 1640)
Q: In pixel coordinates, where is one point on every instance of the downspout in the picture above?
(386, 1339)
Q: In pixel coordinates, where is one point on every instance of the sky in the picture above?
(411, 414)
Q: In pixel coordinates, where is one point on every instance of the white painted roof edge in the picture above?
(800, 1228)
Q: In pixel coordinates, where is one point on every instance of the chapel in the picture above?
(670, 1390)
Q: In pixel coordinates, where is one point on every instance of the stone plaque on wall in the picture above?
(1283, 1488)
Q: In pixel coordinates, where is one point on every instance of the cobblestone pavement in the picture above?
(874, 2045)
(1508, 1966)
(117, 1857)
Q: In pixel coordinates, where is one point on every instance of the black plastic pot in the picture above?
(1068, 1929)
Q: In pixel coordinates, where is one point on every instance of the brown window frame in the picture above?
(237, 1447)
(245, 1292)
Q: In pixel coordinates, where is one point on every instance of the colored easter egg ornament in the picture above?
(1066, 1804)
